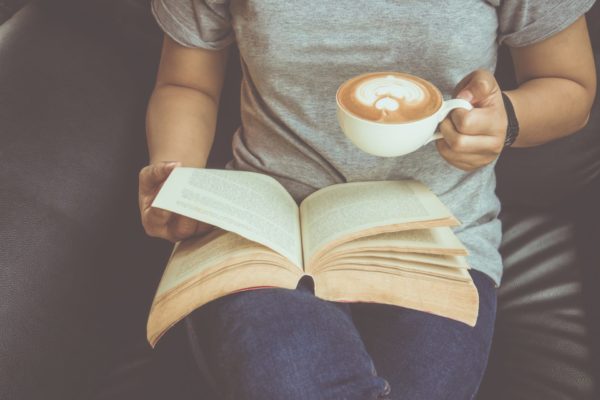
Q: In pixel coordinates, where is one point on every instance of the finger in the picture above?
(466, 144)
(478, 87)
(465, 162)
(156, 221)
(461, 85)
(162, 232)
(203, 229)
(479, 121)
(151, 179)
(145, 203)
(462, 121)
(159, 215)
(181, 227)
(154, 229)
(151, 176)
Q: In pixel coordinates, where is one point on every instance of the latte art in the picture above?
(387, 103)
(389, 97)
(386, 93)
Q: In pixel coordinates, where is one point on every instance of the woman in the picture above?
(287, 344)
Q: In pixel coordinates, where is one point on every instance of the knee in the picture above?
(275, 344)
(292, 380)
(301, 360)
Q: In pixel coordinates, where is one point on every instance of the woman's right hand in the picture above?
(158, 222)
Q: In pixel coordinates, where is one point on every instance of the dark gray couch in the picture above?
(77, 273)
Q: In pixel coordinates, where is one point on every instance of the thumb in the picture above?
(477, 87)
(154, 174)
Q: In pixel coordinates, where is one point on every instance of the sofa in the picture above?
(77, 272)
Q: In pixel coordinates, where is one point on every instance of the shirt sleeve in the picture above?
(525, 22)
(195, 23)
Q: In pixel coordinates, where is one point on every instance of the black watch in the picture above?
(512, 130)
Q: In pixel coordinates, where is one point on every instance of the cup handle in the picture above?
(445, 110)
(435, 136)
(452, 105)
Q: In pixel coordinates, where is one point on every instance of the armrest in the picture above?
(77, 272)
(76, 269)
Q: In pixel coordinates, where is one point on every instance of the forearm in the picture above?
(180, 125)
(550, 108)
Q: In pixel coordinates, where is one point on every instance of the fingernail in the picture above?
(465, 95)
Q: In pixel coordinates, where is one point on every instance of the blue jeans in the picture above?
(288, 344)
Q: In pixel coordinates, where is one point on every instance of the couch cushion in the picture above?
(129, 20)
(9, 7)
(77, 273)
(542, 347)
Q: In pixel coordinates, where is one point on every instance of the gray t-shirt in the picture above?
(294, 55)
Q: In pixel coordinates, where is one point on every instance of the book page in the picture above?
(438, 240)
(393, 265)
(442, 260)
(342, 212)
(252, 205)
(201, 256)
(454, 299)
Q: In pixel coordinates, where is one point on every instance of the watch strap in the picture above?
(512, 129)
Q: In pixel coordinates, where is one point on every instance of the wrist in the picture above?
(183, 162)
(193, 156)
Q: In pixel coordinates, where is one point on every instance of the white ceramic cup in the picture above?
(395, 139)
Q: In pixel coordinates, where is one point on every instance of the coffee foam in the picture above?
(389, 97)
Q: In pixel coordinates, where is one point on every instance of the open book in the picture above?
(386, 242)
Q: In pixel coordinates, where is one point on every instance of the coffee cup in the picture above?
(390, 114)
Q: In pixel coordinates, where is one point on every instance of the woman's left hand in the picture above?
(475, 138)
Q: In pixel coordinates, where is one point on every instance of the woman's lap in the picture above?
(424, 356)
(280, 343)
